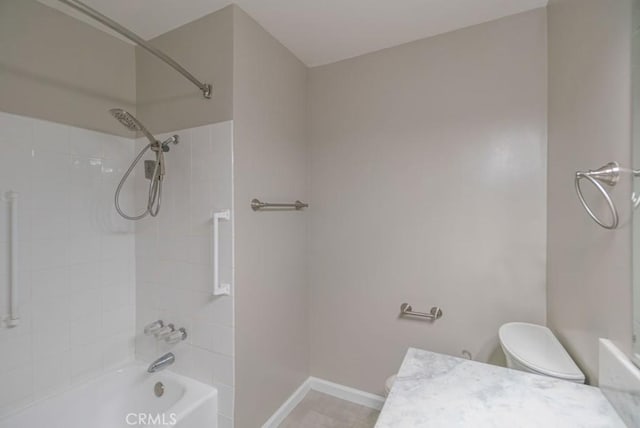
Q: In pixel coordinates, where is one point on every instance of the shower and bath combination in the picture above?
(154, 169)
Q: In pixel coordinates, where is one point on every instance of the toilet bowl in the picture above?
(533, 348)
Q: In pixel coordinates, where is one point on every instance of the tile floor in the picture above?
(319, 410)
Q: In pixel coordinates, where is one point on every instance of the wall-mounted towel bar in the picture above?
(608, 174)
(434, 314)
(256, 205)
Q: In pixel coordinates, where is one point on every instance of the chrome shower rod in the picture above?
(206, 88)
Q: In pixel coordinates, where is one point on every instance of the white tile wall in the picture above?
(77, 271)
(173, 259)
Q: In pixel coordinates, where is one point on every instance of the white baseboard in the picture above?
(346, 393)
(276, 419)
(334, 389)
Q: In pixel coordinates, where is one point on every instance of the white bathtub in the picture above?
(124, 399)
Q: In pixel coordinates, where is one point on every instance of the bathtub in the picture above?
(122, 399)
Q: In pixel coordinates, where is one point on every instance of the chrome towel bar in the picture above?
(256, 205)
(434, 314)
(608, 174)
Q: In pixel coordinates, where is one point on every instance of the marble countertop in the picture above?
(436, 390)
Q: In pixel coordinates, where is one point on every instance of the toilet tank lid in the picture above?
(536, 347)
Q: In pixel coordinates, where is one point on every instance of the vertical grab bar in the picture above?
(218, 288)
(14, 318)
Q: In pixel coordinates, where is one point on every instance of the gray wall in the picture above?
(57, 68)
(270, 162)
(428, 180)
(166, 100)
(589, 268)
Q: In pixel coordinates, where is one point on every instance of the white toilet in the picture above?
(533, 348)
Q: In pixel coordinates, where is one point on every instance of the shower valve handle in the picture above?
(153, 327)
(164, 331)
(176, 336)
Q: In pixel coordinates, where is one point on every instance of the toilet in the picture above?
(534, 348)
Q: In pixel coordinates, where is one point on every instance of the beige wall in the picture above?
(262, 87)
(428, 178)
(589, 268)
(57, 68)
(428, 184)
(166, 100)
(635, 76)
(270, 163)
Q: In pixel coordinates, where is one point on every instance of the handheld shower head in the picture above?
(157, 171)
(131, 123)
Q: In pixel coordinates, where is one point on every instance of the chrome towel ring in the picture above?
(608, 174)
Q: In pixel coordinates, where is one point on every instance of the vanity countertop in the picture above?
(436, 390)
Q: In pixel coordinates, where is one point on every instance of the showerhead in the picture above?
(131, 123)
(126, 119)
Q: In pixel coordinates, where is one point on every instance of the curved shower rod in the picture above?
(206, 88)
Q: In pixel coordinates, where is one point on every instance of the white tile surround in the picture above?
(174, 263)
(76, 268)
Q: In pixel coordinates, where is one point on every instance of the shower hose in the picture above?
(155, 185)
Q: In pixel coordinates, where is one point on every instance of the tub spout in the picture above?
(162, 363)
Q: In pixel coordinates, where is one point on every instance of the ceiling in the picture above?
(317, 31)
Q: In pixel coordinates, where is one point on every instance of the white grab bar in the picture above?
(218, 288)
(14, 318)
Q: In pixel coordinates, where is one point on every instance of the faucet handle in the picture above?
(152, 328)
(164, 331)
(176, 336)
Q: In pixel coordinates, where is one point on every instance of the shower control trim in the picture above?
(153, 327)
(176, 336)
(168, 332)
(164, 332)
